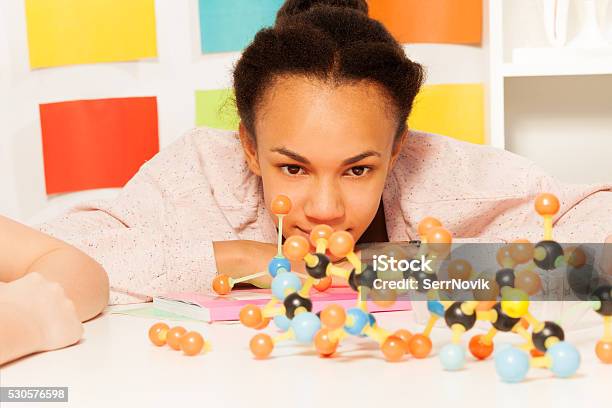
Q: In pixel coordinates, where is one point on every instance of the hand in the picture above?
(243, 257)
(39, 314)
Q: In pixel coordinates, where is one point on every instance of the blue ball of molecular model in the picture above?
(452, 357)
(511, 364)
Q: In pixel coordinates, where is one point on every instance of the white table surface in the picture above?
(116, 365)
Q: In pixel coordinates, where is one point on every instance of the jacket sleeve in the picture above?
(147, 238)
(585, 213)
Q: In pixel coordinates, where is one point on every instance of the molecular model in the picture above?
(178, 338)
(505, 306)
(291, 306)
(223, 284)
(545, 343)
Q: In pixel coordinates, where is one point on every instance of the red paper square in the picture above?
(98, 143)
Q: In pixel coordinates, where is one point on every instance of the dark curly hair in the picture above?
(330, 40)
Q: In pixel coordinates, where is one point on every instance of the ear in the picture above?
(250, 149)
(398, 145)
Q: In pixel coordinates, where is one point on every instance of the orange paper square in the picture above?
(431, 21)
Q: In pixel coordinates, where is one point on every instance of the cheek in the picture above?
(362, 201)
(274, 184)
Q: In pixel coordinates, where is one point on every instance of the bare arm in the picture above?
(24, 250)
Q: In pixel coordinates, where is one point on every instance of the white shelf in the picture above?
(556, 69)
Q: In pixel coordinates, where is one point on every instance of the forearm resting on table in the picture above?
(24, 250)
(84, 280)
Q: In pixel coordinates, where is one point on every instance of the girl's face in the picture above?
(328, 148)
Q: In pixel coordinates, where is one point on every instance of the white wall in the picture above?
(173, 77)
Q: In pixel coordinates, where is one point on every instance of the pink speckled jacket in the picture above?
(157, 235)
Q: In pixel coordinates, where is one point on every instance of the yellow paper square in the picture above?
(455, 110)
(66, 32)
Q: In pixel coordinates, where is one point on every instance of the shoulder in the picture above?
(202, 157)
(436, 167)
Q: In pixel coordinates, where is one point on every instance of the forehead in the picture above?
(301, 111)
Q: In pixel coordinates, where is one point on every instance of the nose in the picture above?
(325, 204)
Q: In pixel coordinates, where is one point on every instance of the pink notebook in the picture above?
(212, 308)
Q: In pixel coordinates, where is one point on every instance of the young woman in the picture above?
(323, 98)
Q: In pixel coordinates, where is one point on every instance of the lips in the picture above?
(303, 231)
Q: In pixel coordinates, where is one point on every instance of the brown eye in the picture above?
(358, 171)
(292, 170)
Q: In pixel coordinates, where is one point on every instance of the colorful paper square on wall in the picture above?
(97, 143)
(455, 110)
(66, 32)
(230, 25)
(216, 109)
(431, 21)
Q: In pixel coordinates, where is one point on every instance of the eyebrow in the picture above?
(301, 159)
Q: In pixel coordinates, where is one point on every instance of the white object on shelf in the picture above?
(555, 14)
(590, 35)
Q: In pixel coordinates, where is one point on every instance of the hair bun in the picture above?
(295, 7)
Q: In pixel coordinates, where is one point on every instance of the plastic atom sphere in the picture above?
(575, 256)
(322, 231)
(296, 247)
(281, 205)
(420, 346)
(487, 294)
(341, 243)
(459, 269)
(405, 336)
(504, 258)
(261, 345)
(439, 240)
(174, 337)
(521, 251)
(333, 316)
(305, 325)
(511, 364)
(393, 348)
(565, 359)
(158, 333)
(264, 323)
(282, 322)
(323, 344)
(528, 281)
(323, 284)
(604, 351)
(384, 297)
(285, 282)
(192, 343)
(515, 302)
(222, 284)
(356, 321)
(479, 348)
(546, 204)
(278, 264)
(452, 357)
(250, 316)
(427, 224)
